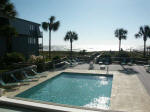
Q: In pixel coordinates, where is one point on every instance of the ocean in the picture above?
(89, 48)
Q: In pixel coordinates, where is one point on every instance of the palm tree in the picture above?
(9, 32)
(7, 9)
(145, 33)
(51, 26)
(121, 34)
(71, 36)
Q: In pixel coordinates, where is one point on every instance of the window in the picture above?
(28, 40)
(31, 40)
(34, 41)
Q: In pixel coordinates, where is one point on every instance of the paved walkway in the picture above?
(144, 77)
(135, 69)
(97, 67)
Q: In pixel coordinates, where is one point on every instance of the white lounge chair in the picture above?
(147, 69)
(102, 67)
(38, 74)
(25, 81)
(100, 63)
(30, 77)
(91, 66)
(8, 85)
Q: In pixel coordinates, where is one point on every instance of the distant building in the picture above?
(27, 41)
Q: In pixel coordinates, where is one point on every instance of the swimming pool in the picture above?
(77, 89)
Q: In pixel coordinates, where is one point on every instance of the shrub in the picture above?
(39, 61)
(122, 54)
(14, 58)
(56, 59)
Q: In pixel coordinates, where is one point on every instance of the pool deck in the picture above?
(129, 93)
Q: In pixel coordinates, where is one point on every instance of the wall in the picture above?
(27, 40)
(2, 46)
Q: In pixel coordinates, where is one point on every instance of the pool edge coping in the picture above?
(28, 105)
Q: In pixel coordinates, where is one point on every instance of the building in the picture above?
(27, 41)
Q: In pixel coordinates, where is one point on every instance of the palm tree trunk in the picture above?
(71, 49)
(119, 44)
(49, 44)
(144, 48)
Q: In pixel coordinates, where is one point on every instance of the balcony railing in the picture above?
(40, 35)
(40, 46)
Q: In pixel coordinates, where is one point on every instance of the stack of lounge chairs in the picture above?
(147, 68)
(123, 62)
(91, 66)
(130, 63)
(20, 77)
(102, 67)
(107, 61)
(8, 85)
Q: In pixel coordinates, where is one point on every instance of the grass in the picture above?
(62, 54)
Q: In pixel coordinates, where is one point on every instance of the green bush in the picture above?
(14, 58)
(56, 59)
(36, 59)
(122, 54)
(39, 61)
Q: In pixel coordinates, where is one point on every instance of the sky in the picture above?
(93, 20)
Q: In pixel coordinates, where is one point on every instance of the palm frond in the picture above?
(67, 36)
(121, 33)
(7, 9)
(142, 30)
(3, 3)
(52, 19)
(55, 26)
(137, 35)
(117, 33)
(45, 26)
(147, 30)
(75, 36)
(70, 35)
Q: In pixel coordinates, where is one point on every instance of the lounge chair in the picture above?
(130, 63)
(65, 65)
(25, 81)
(147, 69)
(102, 67)
(91, 65)
(107, 62)
(100, 63)
(30, 77)
(123, 62)
(38, 74)
(72, 63)
(8, 85)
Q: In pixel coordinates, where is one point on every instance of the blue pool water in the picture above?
(90, 90)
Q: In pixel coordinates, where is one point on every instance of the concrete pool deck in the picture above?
(128, 93)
